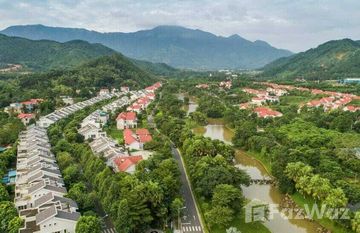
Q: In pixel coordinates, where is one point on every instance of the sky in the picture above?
(296, 25)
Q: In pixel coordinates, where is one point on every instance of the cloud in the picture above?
(294, 25)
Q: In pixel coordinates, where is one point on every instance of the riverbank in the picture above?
(238, 222)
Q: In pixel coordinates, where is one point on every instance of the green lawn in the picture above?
(294, 99)
(114, 133)
(262, 159)
(239, 223)
(355, 102)
(325, 222)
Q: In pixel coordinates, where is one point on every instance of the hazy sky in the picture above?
(291, 24)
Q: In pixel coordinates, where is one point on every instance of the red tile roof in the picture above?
(266, 112)
(25, 115)
(128, 137)
(123, 163)
(144, 138)
(142, 132)
(144, 135)
(135, 106)
(144, 100)
(128, 116)
(352, 108)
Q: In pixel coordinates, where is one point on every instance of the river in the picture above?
(278, 223)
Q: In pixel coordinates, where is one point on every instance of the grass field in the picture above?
(239, 223)
(355, 102)
(325, 222)
(294, 99)
(116, 134)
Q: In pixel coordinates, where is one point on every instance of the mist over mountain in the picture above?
(176, 46)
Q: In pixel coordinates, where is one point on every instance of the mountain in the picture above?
(45, 54)
(176, 46)
(161, 69)
(331, 60)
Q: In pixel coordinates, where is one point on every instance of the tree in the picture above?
(123, 221)
(297, 170)
(15, 224)
(243, 132)
(64, 160)
(336, 198)
(228, 196)
(72, 173)
(79, 193)
(355, 223)
(88, 224)
(4, 195)
(7, 213)
(221, 216)
(176, 205)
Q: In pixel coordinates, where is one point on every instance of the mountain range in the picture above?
(176, 46)
(45, 54)
(332, 60)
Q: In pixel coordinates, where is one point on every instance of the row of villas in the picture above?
(39, 187)
(262, 97)
(333, 100)
(116, 157)
(46, 121)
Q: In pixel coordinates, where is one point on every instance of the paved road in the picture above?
(190, 221)
(108, 230)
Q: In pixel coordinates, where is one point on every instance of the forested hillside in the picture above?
(331, 60)
(82, 81)
(45, 55)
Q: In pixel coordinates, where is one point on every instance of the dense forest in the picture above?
(83, 81)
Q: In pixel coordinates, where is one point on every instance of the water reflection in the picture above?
(266, 193)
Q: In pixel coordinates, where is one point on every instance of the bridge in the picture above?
(263, 181)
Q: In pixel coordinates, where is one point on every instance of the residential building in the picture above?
(39, 187)
(126, 164)
(14, 108)
(126, 120)
(130, 140)
(124, 89)
(104, 91)
(90, 131)
(26, 117)
(67, 100)
(264, 112)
